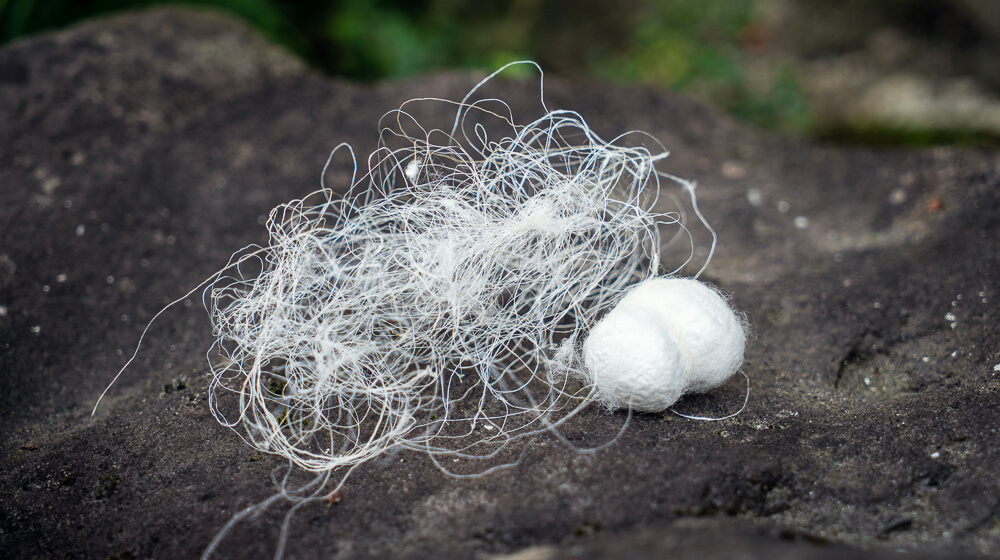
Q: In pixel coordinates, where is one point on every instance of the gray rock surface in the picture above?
(137, 153)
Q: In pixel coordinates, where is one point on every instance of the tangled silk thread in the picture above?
(442, 305)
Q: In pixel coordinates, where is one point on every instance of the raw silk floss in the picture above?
(444, 304)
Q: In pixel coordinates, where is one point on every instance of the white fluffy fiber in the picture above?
(666, 337)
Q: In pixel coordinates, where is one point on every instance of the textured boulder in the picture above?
(138, 152)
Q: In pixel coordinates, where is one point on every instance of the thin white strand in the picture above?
(746, 399)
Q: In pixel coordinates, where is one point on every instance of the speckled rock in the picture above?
(138, 152)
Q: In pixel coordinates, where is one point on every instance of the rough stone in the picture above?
(138, 152)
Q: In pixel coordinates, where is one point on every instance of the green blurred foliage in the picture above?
(705, 47)
(695, 46)
(371, 40)
(24, 17)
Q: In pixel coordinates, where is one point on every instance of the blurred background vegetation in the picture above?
(761, 60)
